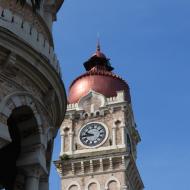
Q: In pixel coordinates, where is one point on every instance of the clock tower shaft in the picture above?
(99, 134)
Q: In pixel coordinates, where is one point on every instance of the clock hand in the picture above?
(88, 135)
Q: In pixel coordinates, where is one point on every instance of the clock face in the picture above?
(92, 134)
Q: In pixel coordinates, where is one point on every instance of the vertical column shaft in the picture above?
(122, 134)
(114, 135)
(62, 144)
(32, 182)
(101, 164)
(43, 184)
(82, 167)
(71, 141)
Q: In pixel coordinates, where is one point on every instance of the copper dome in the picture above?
(99, 78)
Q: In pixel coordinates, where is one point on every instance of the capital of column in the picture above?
(122, 126)
(114, 127)
(33, 171)
(71, 133)
(125, 187)
(62, 133)
(33, 174)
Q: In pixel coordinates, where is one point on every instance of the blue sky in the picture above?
(148, 42)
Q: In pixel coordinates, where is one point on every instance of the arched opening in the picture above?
(93, 186)
(73, 187)
(112, 185)
(22, 124)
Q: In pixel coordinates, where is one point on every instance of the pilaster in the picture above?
(71, 133)
(62, 143)
(32, 177)
(114, 135)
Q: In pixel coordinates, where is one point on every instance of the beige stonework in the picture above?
(31, 89)
(110, 165)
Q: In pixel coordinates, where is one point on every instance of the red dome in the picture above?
(98, 78)
(103, 82)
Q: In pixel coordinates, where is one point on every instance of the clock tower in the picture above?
(99, 135)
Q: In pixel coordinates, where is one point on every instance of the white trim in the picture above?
(91, 181)
(112, 178)
(96, 150)
(89, 147)
(74, 183)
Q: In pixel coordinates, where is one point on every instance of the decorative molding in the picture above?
(29, 34)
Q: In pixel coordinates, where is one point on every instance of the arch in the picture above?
(92, 186)
(97, 113)
(18, 99)
(22, 126)
(86, 115)
(73, 187)
(74, 184)
(92, 181)
(110, 180)
(17, 105)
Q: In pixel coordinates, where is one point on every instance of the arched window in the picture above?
(112, 185)
(93, 186)
(73, 187)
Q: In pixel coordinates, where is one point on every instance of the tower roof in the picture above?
(98, 59)
(98, 77)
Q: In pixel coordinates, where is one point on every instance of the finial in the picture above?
(98, 42)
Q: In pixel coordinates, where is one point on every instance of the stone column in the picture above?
(5, 137)
(71, 141)
(32, 180)
(114, 135)
(62, 143)
(122, 134)
(82, 167)
(101, 164)
(111, 164)
(91, 166)
(19, 181)
(44, 184)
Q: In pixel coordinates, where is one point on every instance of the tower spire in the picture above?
(98, 49)
(98, 45)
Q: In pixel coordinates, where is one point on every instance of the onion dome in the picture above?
(98, 77)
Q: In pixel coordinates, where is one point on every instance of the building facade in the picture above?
(32, 94)
(99, 135)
